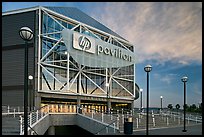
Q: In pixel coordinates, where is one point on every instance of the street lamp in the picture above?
(147, 68)
(184, 80)
(30, 77)
(26, 34)
(161, 101)
(141, 99)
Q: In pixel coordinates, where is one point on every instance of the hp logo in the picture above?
(84, 43)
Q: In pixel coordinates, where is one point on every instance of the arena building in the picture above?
(73, 59)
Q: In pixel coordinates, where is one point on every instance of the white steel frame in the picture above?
(42, 63)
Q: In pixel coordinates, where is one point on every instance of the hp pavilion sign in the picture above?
(93, 52)
(84, 43)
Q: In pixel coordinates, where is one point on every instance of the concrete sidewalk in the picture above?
(191, 130)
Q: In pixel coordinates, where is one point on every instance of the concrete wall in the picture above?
(82, 121)
(92, 125)
(42, 126)
(62, 119)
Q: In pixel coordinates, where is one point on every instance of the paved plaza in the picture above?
(191, 130)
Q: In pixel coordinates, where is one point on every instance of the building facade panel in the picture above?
(13, 97)
(11, 25)
(13, 66)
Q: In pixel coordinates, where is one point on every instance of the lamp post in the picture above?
(30, 77)
(147, 68)
(141, 99)
(26, 34)
(184, 80)
(161, 97)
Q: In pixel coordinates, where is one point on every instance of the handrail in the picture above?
(106, 126)
(32, 129)
(38, 108)
(30, 123)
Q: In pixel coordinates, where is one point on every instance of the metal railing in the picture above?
(189, 117)
(10, 110)
(33, 117)
(106, 128)
(36, 115)
(110, 118)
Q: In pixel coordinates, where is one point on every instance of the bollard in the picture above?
(117, 122)
(188, 120)
(122, 111)
(14, 110)
(114, 127)
(174, 118)
(137, 122)
(8, 109)
(123, 119)
(107, 130)
(102, 117)
(167, 121)
(83, 111)
(91, 113)
(111, 115)
(153, 120)
(179, 120)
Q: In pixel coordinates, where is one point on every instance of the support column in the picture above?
(78, 101)
(108, 90)
(109, 104)
(51, 130)
(132, 105)
(37, 101)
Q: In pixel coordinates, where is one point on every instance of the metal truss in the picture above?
(45, 63)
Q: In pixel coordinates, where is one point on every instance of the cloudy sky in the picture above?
(167, 35)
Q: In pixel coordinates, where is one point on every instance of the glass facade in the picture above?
(89, 81)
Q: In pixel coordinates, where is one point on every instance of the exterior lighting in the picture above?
(27, 35)
(184, 80)
(147, 68)
(161, 97)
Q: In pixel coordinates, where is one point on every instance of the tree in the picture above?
(170, 106)
(187, 107)
(193, 108)
(177, 106)
(200, 107)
